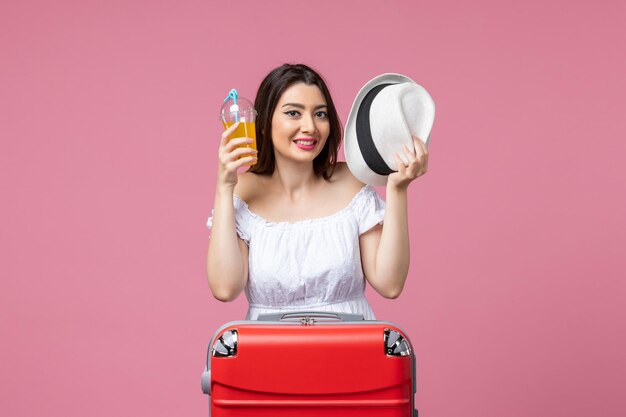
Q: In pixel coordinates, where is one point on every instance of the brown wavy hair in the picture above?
(270, 91)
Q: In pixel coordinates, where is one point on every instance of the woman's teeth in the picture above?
(305, 142)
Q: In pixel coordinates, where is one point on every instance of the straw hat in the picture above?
(388, 110)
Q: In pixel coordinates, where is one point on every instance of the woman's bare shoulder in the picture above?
(248, 186)
(345, 179)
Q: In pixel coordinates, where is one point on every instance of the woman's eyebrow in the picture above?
(301, 106)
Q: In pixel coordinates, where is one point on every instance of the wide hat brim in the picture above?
(387, 112)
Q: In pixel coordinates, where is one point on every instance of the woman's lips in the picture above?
(306, 144)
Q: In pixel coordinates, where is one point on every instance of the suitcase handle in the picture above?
(298, 316)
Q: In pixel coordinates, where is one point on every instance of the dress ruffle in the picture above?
(308, 265)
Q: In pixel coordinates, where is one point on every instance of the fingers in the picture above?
(410, 155)
(226, 134)
(233, 154)
(237, 142)
(242, 152)
(233, 166)
(399, 163)
(237, 154)
(412, 167)
(423, 154)
(417, 142)
(234, 148)
(417, 164)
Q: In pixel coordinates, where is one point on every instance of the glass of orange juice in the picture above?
(240, 109)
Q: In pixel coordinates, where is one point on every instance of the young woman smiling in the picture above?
(298, 231)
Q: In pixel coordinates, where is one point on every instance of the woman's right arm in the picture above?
(227, 259)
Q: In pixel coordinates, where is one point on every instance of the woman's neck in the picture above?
(294, 179)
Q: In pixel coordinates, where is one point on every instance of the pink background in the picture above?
(108, 117)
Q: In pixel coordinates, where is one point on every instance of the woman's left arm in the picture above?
(385, 249)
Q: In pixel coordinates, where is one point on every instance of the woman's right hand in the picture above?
(231, 158)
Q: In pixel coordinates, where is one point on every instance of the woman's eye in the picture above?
(321, 114)
(292, 113)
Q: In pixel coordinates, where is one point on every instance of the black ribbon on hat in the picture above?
(371, 156)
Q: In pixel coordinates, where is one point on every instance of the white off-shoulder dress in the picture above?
(308, 265)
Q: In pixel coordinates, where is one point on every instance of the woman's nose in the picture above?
(308, 124)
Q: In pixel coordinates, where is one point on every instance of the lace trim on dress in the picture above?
(367, 206)
(351, 205)
(370, 212)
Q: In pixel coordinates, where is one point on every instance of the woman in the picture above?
(298, 231)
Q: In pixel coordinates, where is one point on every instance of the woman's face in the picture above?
(300, 125)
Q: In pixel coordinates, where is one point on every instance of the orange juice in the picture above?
(245, 129)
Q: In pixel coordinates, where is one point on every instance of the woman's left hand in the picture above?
(416, 167)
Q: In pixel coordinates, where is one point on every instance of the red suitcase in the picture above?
(310, 364)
